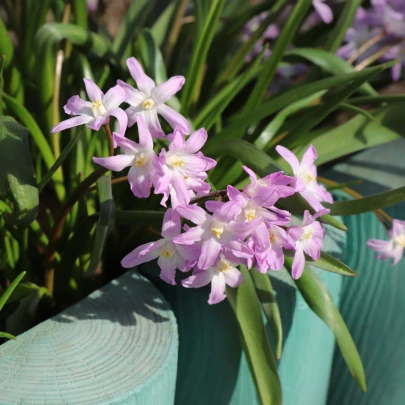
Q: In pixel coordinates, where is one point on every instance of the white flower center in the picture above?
(140, 160)
(147, 104)
(98, 109)
(307, 178)
(175, 161)
(400, 240)
(223, 265)
(272, 237)
(307, 234)
(217, 229)
(168, 250)
(250, 214)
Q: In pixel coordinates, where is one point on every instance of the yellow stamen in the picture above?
(148, 104)
(217, 232)
(272, 237)
(140, 160)
(96, 104)
(223, 265)
(250, 214)
(308, 178)
(166, 253)
(177, 163)
(400, 240)
(307, 235)
(185, 176)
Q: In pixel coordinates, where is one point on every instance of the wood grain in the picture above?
(117, 346)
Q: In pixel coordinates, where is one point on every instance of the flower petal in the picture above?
(145, 137)
(309, 157)
(217, 289)
(289, 157)
(115, 163)
(114, 97)
(179, 194)
(121, 117)
(233, 277)
(196, 141)
(213, 205)
(209, 253)
(168, 267)
(152, 122)
(98, 122)
(193, 213)
(171, 225)
(298, 264)
(71, 122)
(189, 237)
(176, 141)
(93, 91)
(128, 146)
(167, 90)
(132, 113)
(175, 119)
(144, 82)
(140, 180)
(142, 254)
(135, 97)
(76, 106)
(323, 10)
(198, 280)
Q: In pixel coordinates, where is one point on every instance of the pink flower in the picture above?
(171, 256)
(220, 274)
(307, 238)
(141, 158)
(149, 100)
(305, 176)
(97, 112)
(392, 248)
(275, 182)
(269, 241)
(323, 10)
(215, 232)
(184, 168)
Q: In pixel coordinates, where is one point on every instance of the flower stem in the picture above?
(57, 229)
(368, 44)
(110, 138)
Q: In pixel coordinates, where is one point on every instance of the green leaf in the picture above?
(199, 56)
(319, 300)
(352, 108)
(277, 103)
(337, 34)
(69, 147)
(332, 100)
(330, 263)
(160, 28)
(359, 133)
(6, 335)
(80, 12)
(329, 62)
(6, 45)
(17, 179)
(133, 21)
(249, 154)
(255, 341)
(105, 222)
(270, 307)
(46, 44)
(270, 66)
(6, 294)
(366, 204)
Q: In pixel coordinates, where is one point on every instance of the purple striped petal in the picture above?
(142, 254)
(196, 141)
(289, 157)
(209, 253)
(144, 82)
(152, 122)
(121, 117)
(175, 119)
(93, 90)
(135, 97)
(165, 91)
(71, 122)
(217, 289)
(115, 163)
(114, 97)
(76, 106)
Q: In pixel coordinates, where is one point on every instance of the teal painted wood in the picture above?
(118, 346)
(212, 367)
(373, 305)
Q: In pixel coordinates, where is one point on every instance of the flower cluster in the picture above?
(237, 227)
(377, 31)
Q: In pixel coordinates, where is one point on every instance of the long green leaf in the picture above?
(105, 222)
(270, 307)
(359, 133)
(6, 335)
(319, 300)
(6, 45)
(255, 341)
(330, 263)
(199, 55)
(330, 62)
(338, 32)
(366, 204)
(332, 100)
(69, 147)
(160, 28)
(295, 94)
(17, 179)
(6, 294)
(270, 66)
(133, 21)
